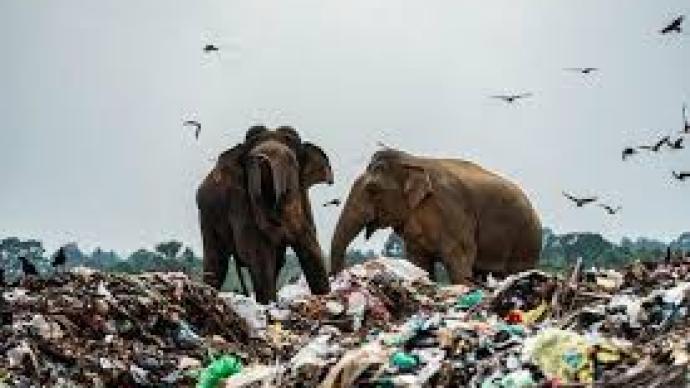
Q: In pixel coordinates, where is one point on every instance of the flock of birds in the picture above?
(677, 143)
(675, 26)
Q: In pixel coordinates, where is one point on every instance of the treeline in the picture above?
(559, 251)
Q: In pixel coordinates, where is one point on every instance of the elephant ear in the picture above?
(417, 186)
(316, 168)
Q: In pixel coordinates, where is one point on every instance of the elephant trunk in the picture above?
(268, 185)
(354, 217)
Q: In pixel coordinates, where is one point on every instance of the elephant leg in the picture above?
(263, 272)
(459, 262)
(215, 263)
(311, 260)
(280, 261)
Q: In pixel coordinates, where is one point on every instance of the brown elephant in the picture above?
(444, 209)
(255, 203)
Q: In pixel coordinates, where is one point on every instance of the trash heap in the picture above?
(88, 328)
(383, 324)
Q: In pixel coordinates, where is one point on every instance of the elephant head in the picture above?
(280, 167)
(393, 185)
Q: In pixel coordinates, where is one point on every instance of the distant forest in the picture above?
(559, 251)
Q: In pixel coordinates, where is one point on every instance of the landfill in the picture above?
(384, 324)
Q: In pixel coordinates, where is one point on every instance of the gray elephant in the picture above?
(444, 209)
(254, 204)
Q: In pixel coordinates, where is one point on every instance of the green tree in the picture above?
(169, 249)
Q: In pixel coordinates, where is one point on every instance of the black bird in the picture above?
(196, 125)
(583, 70)
(686, 122)
(674, 26)
(681, 176)
(580, 202)
(60, 258)
(677, 144)
(628, 152)
(2, 281)
(332, 202)
(27, 267)
(209, 48)
(510, 98)
(657, 146)
(609, 209)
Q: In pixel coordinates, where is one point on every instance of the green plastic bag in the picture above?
(470, 299)
(219, 369)
(404, 361)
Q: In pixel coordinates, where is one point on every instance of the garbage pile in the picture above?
(383, 324)
(88, 328)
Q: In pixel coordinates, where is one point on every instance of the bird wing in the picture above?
(645, 147)
(523, 95)
(570, 197)
(500, 97)
(661, 142)
(588, 200)
(685, 113)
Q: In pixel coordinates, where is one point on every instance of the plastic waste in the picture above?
(185, 336)
(532, 316)
(560, 353)
(470, 299)
(220, 368)
(356, 306)
(404, 361)
(247, 308)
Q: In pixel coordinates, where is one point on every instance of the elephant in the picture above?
(254, 204)
(447, 210)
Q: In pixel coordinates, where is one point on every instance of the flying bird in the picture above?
(583, 70)
(681, 176)
(580, 202)
(60, 258)
(657, 146)
(677, 144)
(210, 48)
(27, 267)
(628, 152)
(510, 98)
(674, 26)
(686, 121)
(609, 209)
(196, 125)
(332, 202)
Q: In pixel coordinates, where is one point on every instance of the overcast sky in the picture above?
(93, 93)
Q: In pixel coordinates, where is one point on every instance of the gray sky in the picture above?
(92, 96)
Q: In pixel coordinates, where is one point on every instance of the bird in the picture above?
(196, 125)
(27, 267)
(583, 70)
(686, 121)
(209, 48)
(60, 258)
(580, 202)
(674, 26)
(510, 98)
(628, 152)
(676, 144)
(609, 209)
(681, 176)
(332, 202)
(657, 146)
(2, 280)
